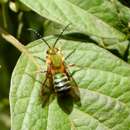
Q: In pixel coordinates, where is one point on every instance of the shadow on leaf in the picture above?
(66, 103)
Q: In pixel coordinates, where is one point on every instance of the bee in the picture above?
(57, 72)
(58, 79)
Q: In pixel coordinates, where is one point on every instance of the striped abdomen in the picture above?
(61, 82)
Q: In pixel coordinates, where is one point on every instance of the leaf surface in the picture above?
(104, 82)
(92, 22)
(81, 20)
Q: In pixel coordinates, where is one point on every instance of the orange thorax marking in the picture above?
(54, 69)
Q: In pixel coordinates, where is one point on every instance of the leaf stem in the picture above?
(11, 39)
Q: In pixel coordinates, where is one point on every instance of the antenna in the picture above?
(40, 36)
(60, 35)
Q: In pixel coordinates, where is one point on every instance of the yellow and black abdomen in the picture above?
(61, 83)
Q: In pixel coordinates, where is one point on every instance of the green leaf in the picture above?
(124, 12)
(112, 12)
(103, 9)
(87, 4)
(82, 21)
(51, 28)
(104, 82)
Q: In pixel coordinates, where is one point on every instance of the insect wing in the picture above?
(46, 90)
(74, 92)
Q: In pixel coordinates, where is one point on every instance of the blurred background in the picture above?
(16, 18)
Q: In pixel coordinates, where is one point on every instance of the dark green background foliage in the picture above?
(100, 31)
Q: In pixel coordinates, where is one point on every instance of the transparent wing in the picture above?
(74, 92)
(47, 90)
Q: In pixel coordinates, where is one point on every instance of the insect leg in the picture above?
(71, 74)
(45, 90)
(70, 54)
(33, 77)
(73, 65)
(40, 59)
(77, 66)
(44, 81)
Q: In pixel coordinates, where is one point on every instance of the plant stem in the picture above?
(20, 25)
(4, 15)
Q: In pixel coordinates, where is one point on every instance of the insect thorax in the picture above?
(55, 57)
(61, 82)
(56, 60)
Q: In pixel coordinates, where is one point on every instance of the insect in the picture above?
(58, 79)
